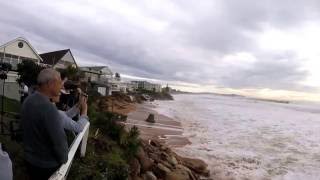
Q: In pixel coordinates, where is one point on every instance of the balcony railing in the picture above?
(82, 138)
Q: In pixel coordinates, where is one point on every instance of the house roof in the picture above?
(96, 69)
(52, 58)
(24, 40)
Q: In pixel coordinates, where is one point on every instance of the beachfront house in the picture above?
(145, 85)
(59, 59)
(14, 52)
(118, 86)
(100, 77)
(129, 87)
(97, 73)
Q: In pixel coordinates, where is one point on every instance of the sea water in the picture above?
(243, 138)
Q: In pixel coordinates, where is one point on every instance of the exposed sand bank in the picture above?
(164, 129)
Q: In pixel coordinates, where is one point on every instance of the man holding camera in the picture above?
(79, 108)
(45, 142)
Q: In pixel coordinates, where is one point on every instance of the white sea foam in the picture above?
(245, 138)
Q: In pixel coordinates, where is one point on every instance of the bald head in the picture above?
(49, 82)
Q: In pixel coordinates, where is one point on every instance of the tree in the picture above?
(28, 72)
(71, 73)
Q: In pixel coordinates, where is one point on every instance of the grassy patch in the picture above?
(104, 160)
(10, 105)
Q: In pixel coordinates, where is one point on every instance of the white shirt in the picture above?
(25, 89)
(5, 166)
(69, 123)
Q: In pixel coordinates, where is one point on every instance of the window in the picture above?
(20, 44)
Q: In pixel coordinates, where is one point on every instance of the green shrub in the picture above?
(116, 167)
(131, 142)
(28, 72)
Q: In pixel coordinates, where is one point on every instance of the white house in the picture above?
(100, 76)
(14, 52)
(145, 85)
(18, 50)
(59, 59)
(116, 86)
(97, 73)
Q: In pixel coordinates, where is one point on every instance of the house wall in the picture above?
(102, 90)
(12, 76)
(65, 61)
(91, 76)
(157, 87)
(145, 85)
(25, 51)
(106, 71)
(11, 90)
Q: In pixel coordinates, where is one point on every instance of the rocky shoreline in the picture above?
(156, 158)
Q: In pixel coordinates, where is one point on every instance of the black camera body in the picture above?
(70, 96)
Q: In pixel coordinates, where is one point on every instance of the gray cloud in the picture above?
(278, 71)
(177, 40)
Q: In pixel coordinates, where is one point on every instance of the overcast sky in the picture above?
(267, 45)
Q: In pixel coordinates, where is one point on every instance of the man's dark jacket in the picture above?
(45, 142)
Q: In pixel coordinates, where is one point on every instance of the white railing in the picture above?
(82, 137)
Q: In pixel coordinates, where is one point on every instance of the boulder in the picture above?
(136, 178)
(167, 164)
(154, 142)
(156, 157)
(172, 160)
(196, 165)
(192, 175)
(164, 156)
(178, 174)
(134, 167)
(144, 160)
(161, 170)
(149, 176)
(151, 118)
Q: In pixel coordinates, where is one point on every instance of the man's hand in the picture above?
(83, 105)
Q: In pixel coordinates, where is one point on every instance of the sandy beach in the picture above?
(165, 128)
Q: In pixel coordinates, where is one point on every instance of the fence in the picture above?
(82, 138)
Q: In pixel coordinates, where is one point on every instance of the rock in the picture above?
(134, 167)
(165, 148)
(192, 175)
(140, 153)
(136, 178)
(172, 160)
(154, 142)
(161, 171)
(167, 164)
(144, 160)
(146, 164)
(196, 165)
(155, 157)
(149, 176)
(178, 174)
(151, 118)
(164, 156)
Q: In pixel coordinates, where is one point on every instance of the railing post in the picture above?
(84, 143)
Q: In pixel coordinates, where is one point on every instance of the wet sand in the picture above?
(164, 129)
